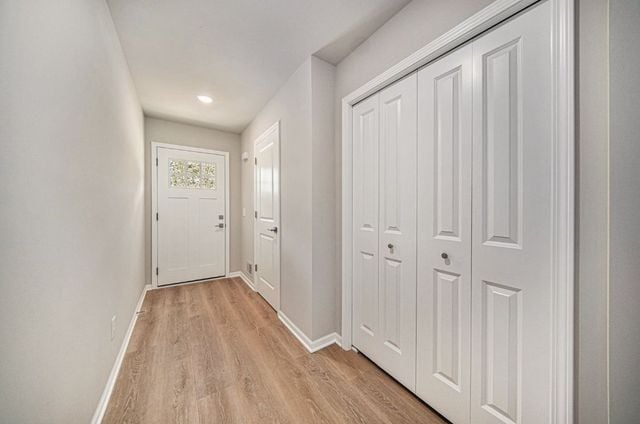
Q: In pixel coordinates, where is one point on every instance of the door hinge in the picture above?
(255, 267)
(255, 160)
(156, 270)
(156, 216)
(255, 214)
(156, 161)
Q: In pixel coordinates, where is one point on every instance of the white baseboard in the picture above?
(310, 345)
(338, 339)
(111, 381)
(247, 280)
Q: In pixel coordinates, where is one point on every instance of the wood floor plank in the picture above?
(289, 378)
(206, 344)
(220, 407)
(345, 398)
(215, 352)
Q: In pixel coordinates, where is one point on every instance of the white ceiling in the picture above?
(237, 51)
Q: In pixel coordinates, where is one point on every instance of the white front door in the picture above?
(191, 235)
(385, 216)
(444, 234)
(267, 216)
(512, 307)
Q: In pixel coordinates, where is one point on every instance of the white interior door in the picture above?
(191, 235)
(512, 310)
(385, 216)
(444, 234)
(267, 217)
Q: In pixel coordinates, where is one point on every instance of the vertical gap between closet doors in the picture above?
(470, 224)
(416, 191)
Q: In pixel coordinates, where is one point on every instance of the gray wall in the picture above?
(292, 107)
(624, 297)
(325, 243)
(304, 107)
(162, 131)
(72, 208)
(592, 211)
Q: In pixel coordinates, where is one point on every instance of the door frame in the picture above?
(274, 127)
(154, 202)
(563, 215)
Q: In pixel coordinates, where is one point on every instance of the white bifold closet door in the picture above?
(512, 308)
(452, 283)
(384, 302)
(444, 234)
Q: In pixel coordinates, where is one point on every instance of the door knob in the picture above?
(390, 246)
(273, 230)
(221, 225)
(444, 255)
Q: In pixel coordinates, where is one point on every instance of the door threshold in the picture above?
(184, 283)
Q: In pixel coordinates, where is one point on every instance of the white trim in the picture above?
(486, 18)
(272, 128)
(563, 279)
(563, 190)
(268, 131)
(98, 415)
(338, 339)
(247, 280)
(311, 345)
(154, 202)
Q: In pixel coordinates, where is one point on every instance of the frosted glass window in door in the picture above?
(208, 175)
(177, 173)
(192, 174)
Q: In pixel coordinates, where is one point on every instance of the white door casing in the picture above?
(387, 318)
(191, 214)
(512, 297)
(444, 229)
(267, 216)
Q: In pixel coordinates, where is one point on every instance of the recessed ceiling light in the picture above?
(205, 99)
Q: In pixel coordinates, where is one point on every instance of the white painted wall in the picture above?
(72, 208)
(325, 243)
(624, 299)
(304, 107)
(162, 131)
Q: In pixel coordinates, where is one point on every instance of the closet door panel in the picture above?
(512, 257)
(366, 313)
(444, 229)
(397, 241)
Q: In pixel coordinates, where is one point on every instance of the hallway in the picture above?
(439, 199)
(216, 352)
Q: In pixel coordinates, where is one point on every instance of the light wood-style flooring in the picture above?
(215, 352)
